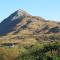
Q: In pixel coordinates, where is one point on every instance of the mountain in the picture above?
(22, 22)
(27, 37)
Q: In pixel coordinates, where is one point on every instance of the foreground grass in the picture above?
(38, 51)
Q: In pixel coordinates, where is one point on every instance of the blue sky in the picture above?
(48, 9)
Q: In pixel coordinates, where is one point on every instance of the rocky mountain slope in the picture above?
(23, 23)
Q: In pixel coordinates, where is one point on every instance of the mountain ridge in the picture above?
(20, 20)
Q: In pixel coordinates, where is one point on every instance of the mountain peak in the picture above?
(18, 14)
(22, 12)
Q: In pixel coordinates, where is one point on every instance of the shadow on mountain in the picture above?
(8, 24)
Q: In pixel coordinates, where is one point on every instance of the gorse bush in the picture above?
(42, 53)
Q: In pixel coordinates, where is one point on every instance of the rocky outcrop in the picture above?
(54, 29)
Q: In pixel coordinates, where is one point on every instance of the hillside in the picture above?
(20, 25)
(27, 37)
(22, 22)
